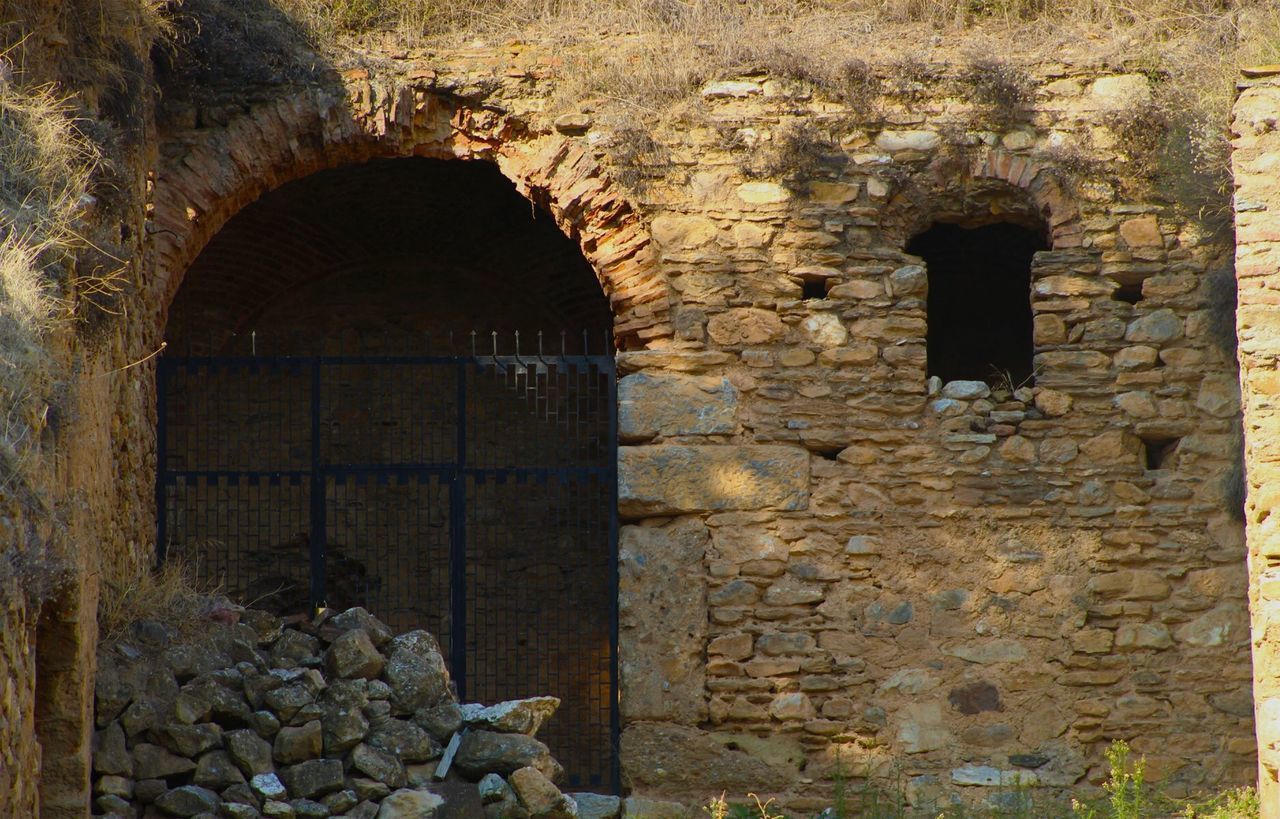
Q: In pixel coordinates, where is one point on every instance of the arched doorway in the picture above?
(391, 385)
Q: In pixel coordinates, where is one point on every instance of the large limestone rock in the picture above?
(298, 744)
(596, 806)
(416, 671)
(513, 716)
(154, 762)
(540, 797)
(410, 804)
(482, 752)
(312, 778)
(406, 740)
(359, 618)
(188, 800)
(353, 654)
(379, 765)
(670, 479)
(663, 625)
(668, 405)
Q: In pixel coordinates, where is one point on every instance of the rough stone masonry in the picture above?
(1257, 204)
(830, 563)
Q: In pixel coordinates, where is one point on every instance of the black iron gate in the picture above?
(473, 496)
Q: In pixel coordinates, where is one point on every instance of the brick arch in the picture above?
(996, 185)
(207, 177)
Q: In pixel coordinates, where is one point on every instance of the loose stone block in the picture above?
(671, 405)
(669, 479)
(410, 804)
(353, 654)
(540, 797)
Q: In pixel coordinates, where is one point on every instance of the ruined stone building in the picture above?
(890, 434)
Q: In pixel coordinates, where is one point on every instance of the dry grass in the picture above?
(60, 202)
(45, 168)
(660, 50)
(170, 594)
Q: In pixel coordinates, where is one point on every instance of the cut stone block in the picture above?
(668, 479)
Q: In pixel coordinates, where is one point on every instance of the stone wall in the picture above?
(73, 526)
(1257, 205)
(830, 565)
(973, 584)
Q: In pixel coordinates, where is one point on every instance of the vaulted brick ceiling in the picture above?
(399, 247)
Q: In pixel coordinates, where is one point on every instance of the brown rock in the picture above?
(295, 745)
(482, 752)
(1142, 231)
(353, 655)
(539, 797)
(743, 326)
(668, 479)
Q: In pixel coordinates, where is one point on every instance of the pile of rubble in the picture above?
(271, 717)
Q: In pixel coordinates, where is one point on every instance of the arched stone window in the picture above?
(979, 303)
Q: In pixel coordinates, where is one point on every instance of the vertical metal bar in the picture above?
(458, 541)
(317, 539)
(611, 475)
(162, 456)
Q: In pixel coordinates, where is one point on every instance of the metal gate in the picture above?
(473, 496)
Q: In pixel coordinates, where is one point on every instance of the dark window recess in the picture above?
(1128, 293)
(815, 288)
(1158, 452)
(979, 311)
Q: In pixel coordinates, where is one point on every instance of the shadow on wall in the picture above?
(251, 48)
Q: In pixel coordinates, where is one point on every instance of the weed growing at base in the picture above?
(1126, 794)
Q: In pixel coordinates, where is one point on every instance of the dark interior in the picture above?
(979, 312)
(398, 249)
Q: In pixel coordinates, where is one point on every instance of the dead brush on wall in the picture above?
(910, 76)
(1001, 93)
(1139, 132)
(45, 168)
(1071, 164)
(170, 594)
(661, 51)
(798, 151)
(637, 158)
